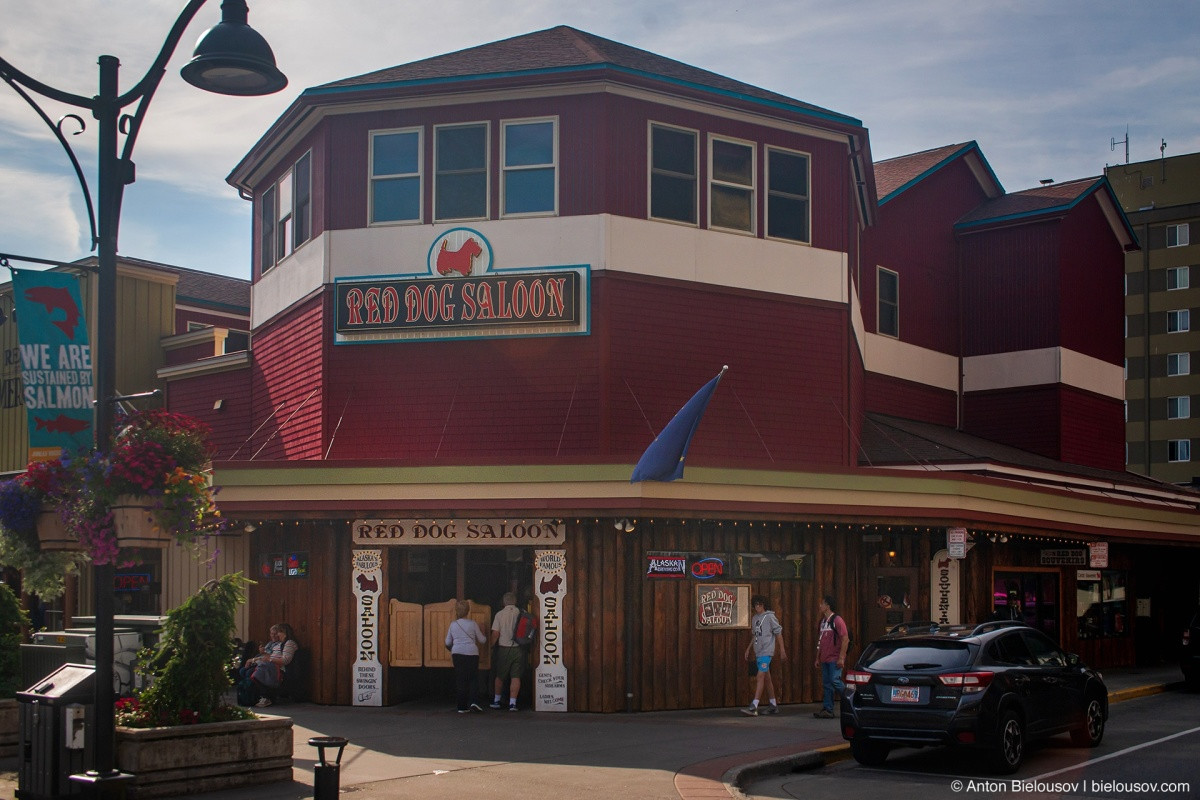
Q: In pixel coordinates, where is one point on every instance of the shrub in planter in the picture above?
(189, 664)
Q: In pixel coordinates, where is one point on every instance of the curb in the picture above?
(738, 777)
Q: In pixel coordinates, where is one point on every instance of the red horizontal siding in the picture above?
(230, 424)
(602, 397)
(900, 398)
(287, 385)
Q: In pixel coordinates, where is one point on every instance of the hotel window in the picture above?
(1178, 235)
(787, 195)
(285, 215)
(460, 186)
(1177, 278)
(396, 176)
(672, 174)
(1179, 407)
(1179, 450)
(1179, 364)
(731, 185)
(530, 167)
(1178, 321)
(888, 320)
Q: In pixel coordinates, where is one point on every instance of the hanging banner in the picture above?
(550, 583)
(56, 363)
(943, 588)
(367, 580)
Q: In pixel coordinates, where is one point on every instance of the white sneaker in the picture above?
(263, 702)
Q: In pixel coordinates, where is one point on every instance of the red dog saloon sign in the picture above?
(460, 294)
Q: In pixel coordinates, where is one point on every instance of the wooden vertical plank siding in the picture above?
(185, 571)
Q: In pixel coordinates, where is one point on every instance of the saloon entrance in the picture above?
(432, 578)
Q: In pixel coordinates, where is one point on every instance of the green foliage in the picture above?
(12, 617)
(190, 662)
(42, 571)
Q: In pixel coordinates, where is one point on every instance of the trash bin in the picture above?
(39, 660)
(55, 732)
(326, 775)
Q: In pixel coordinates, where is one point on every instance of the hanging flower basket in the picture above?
(53, 534)
(135, 522)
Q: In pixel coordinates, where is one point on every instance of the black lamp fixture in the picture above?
(233, 58)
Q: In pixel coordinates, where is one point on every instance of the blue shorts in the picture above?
(764, 663)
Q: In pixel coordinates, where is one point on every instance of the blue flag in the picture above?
(663, 459)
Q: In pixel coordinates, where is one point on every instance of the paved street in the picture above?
(431, 752)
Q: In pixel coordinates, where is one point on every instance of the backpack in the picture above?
(524, 630)
(833, 627)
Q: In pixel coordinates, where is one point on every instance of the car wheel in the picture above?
(1010, 744)
(868, 753)
(1093, 725)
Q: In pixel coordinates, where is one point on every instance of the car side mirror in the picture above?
(1073, 660)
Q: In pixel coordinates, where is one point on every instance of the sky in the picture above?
(1044, 86)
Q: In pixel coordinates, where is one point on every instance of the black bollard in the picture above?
(325, 775)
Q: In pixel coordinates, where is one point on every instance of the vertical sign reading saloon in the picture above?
(368, 670)
(56, 362)
(550, 584)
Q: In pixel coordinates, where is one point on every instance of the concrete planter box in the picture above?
(8, 728)
(211, 757)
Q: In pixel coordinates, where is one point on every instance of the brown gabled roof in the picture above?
(893, 173)
(562, 48)
(1044, 199)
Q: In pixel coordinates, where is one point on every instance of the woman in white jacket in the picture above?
(462, 640)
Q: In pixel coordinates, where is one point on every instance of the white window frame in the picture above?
(1183, 363)
(767, 195)
(751, 188)
(1182, 232)
(505, 170)
(419, 175)
(1181, 276)
(651, 171)
(879, 302)
(487, 168)
(285, 236)
(1179, 407)
(1179, 320)
(1179, 450)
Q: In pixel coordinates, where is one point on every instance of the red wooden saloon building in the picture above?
(483, 282)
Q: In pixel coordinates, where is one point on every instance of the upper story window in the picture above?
(731, 185)
(888, 317)
(1179, 364)
(1179, 321)
(1178, 278)
(787, 195)
(396, 176)
(1179, 450)
(1178, 235)
(673, 174)
(1179, 407)
(460, 188)
(285, 214)
(529, 173)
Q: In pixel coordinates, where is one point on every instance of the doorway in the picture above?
(1030, 595)
(888, 599)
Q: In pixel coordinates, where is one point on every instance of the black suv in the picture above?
(994, 686)
(1189, 653)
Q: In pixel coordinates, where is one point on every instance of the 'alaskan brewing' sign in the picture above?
(460, 296)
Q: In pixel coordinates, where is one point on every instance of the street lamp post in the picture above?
(230, 58)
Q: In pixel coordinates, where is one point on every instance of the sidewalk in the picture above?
(429, 751)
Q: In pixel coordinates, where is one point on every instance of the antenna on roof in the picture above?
(1112, 145)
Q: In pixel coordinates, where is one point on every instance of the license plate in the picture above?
(906, 694)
